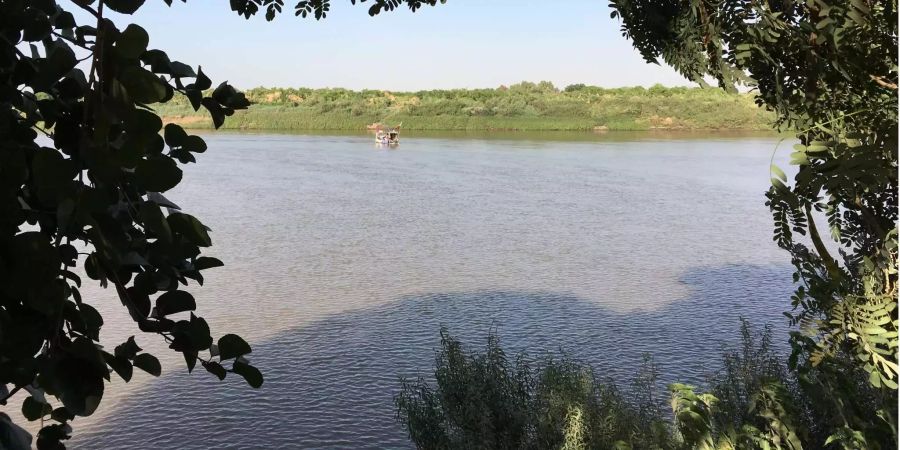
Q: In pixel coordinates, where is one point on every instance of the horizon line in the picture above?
(559, 88)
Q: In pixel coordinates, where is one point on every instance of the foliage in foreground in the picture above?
(522, 106)
(488, 400)
(828, 68)
(83, 163)
(491, 401)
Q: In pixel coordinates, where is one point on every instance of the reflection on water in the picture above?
(342, 261)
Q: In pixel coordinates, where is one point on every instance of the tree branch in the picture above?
(87, 8)
(71, 41)
(11, 393)
(882, 82)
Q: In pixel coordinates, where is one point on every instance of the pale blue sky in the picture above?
(462, 44)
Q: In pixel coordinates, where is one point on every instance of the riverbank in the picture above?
(520, 107)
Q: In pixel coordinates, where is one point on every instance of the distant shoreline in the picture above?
(496, 135)
(199, 122)
(520, 107)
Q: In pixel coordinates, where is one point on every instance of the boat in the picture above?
(388, 135)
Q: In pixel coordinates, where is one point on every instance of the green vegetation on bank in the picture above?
(522, 106)
(487, 399)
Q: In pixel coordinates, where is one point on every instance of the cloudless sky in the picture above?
(462, 44)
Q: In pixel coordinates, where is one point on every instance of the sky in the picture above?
(461, 44)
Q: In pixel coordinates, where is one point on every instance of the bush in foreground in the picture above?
(488, 400)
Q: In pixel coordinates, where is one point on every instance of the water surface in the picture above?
(343, 260)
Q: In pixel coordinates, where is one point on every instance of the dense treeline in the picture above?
(522, 106)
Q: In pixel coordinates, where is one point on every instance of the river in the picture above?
(343, 260)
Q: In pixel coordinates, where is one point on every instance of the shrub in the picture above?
(488, 400)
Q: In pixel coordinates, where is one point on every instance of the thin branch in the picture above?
(11, 393)
(87, 8)
(14, 47)
(45, 132)
(71, 41)
(882, 82)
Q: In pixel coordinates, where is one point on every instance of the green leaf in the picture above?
(190, 358)
(148, 363)
(215, 111)
(92, 320)
(158, 61)
(175, 135)
(778, 173)
(127, 349)
(194, 144)
(139, 301)
(799, 159)
(860, 5)
(33, 409)
(132, 42)
(62, 414)
(206, 262)
(191, 228)
(232, 346)
(142, 85)
(59, 61)
(251, 374)
(144, 123)
(190, 337)
(180, 69)
(215, 369)
(778, 185)
(64, 20)
(76, 376)
(153, 218)
(35, 25)
(121, 365)
(68, 254)
(173, 302)
(857, 17)
(195, 96)
(815, 148)
(824, 23)
(202, 82)
(157, 173)
(875, 378)
(124, 6)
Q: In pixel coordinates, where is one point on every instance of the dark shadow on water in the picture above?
(330, 384)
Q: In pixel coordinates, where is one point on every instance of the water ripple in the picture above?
(330, 384)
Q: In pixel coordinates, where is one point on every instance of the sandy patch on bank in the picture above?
(186, 120)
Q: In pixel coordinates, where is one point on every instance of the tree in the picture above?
(84, 161)
(828, 68)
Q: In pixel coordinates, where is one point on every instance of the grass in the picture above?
(524, 107)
